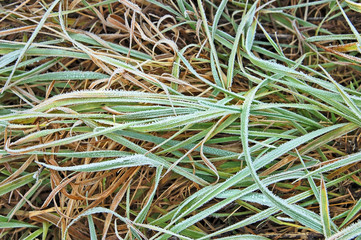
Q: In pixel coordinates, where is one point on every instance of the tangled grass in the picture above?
(207, 119)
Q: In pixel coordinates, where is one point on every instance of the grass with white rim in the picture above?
(166, 134)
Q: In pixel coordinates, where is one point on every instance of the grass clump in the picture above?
(180, 119)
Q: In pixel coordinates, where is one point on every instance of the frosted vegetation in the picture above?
(184, 119)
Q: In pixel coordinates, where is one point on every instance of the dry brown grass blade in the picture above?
(20, 170)
(15, 9)
(117, 198)
(58, 188)
(347, 56)
(344, 47)
(47, 216)
(11, 31)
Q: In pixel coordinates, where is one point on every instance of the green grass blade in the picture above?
(324, 210)
(29, 42)
(15, 184)
(354, 211)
